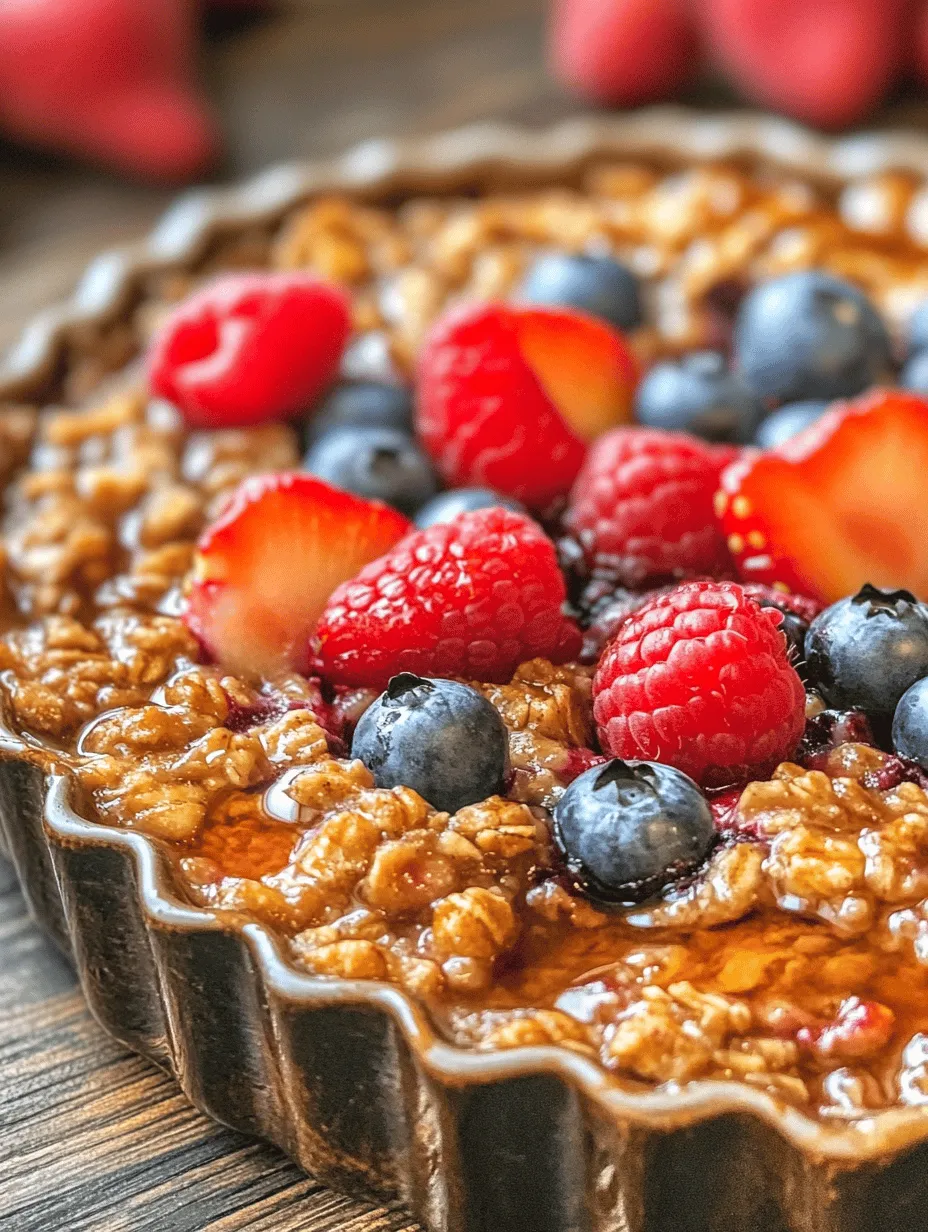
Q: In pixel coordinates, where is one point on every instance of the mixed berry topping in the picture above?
(910, 723)
(265, 569)
(472, 598)
(439, 737)
(865, 651)
(446, 506)
(508, 397)
(680, 532)
(838, 505)
(701, 679)
(642, 507)
(699, 394)
(361, 404)
(599, 285)
(810, 335)
(379, 463)
(249, 348)
(627, 828)
(785, 422)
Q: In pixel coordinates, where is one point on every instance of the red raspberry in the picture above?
(642, 506)
(472, 598)
(700, 678)
(248, 348)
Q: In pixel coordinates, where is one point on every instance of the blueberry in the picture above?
(917, 335)
(441, 738)
(630, 827)
(598, 285)
(446, 506)
(810, 335)
(378, 463)
(910, 724)
(865, 651)
(361, 404)
(698, 394)
(787, 421)
(914, 374)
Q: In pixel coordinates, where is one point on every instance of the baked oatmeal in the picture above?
(671, 814)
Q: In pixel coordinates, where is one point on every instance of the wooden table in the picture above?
(310, 79)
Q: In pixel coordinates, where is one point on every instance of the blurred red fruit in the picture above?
(827, 62)
(112, 80)
(623, 51)
(917, 41)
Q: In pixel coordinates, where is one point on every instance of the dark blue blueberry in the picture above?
(441, 738)
(698, 394)
(810, 335)
(598, 285)
(865, 651)
(628, 828)
(378, 463)
(917, 334)
(910, 724)
(361, 404)
(787, 421)
(914, 374)
(446, 506)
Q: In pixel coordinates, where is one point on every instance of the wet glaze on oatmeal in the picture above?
(797, 961)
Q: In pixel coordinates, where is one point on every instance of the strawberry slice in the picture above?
(838, 505)
(265, 569)
(509, 396)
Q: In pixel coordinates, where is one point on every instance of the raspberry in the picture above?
(700, 678)
(473, 598)
(642, 507)
(248, 348)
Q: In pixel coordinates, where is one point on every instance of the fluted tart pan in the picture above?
(349, 1078)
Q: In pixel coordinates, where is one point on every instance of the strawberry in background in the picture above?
(112, 81)
(827, 63)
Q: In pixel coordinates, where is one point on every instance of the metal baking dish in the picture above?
(349, 1078)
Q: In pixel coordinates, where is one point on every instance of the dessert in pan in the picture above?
(516, 598)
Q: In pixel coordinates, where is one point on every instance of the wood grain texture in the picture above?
(95, 1139)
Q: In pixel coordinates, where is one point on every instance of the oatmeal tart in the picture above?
(527, 822)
